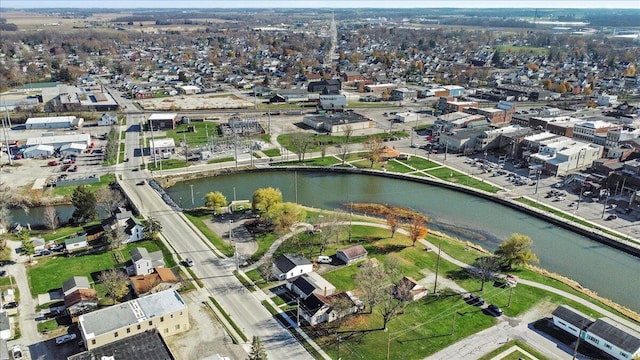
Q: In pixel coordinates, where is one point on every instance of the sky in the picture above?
(336, 4)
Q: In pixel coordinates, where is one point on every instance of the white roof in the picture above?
(160, 143)
(73, 146)
(59, 139)
(189, 87)
(50, 119)
(47, 148)
(163, 116)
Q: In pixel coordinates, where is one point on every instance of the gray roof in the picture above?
(139, 254)
(81, 282)
(287, 262)
(572, 316)
(4, 321)
(130, 313)
(148, 345)
(616, 334)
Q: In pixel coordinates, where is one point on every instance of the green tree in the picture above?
(484, 268)
(27, 248)
(516, 250)
(284, 215)
(264, 198)
(152, 228)
(215, 200)
(115, 283)
(85, 203)
(257, 350)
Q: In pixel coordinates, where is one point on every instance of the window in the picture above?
(150, 323)
(596, 341)
(93, 342)
(115, 334)
(139, 327)
(171, 316)
(561, 323)
(128, 330)
(178, 327)
(624, 355)
(161, 318)
(166, 330)
(608, 346)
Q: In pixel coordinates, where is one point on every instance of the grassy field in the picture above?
(49, 273)
(271, 152)
(68, 190)
(221, 160)
(199, 217)
(197, 138)
(518, 354)
(166, 164)
(326, 161)
(419, 163)
(333, 140)
(391, 165)
(454, 176)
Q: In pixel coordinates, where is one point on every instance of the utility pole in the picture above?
(435, 284)
(237, 258)
(604, 207)
(510, 294)
(192, 200)
(153, 149)
(230, 239)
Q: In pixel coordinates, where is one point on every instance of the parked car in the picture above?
(474, 300)
(3, 272)
(16, 352)
(141, 182)
(495, 310)
(324, 259)
(612, 217)
(10, 305)
(188, 262)
(65, 339)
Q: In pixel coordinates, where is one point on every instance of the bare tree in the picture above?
(51, 218)
(115, 283)
(417, 229)
(109, 199)
(371, 281)
(266, 268)
(116, 237)
(300, 142)
(484, 268)
(393, 223)
(331, 224)
(374, 145)
(344, 148)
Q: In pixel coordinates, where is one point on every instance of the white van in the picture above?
(324, 259)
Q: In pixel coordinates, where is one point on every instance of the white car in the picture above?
(65, 339)
(16, 352)
(188, 262)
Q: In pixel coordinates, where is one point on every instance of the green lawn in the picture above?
(332, 140)
(420, 163)
(272, 152)
(166, 164)
(197, 138)
(454, 176)
(68, 190)
(319, 161)
(221, 160)
(47, 326)
(509, 345)
(49, 273)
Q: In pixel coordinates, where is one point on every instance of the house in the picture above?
(310, 283)
(132, 227)
(80, 301)
(75, 283)
(164, 311)
(352, 254)
(76, 243)
(288, 266)
(145, 345)
(161, 279)
(409, 290)
(142, 261)
(610, 337)
(108, 119)
(317, 309)
(330, 86)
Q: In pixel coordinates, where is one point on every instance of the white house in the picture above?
(38, 151)
(108, 119)
(310, 283)
(318, 309)
(142, 261)
(288, 266)
(131, 226)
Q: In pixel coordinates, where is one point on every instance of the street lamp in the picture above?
(230, 235)
(606, 199)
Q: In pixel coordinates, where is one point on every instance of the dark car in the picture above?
(10, 305)
(495, 310)
(474, 300)
(3, 272)
(612, 217)
(141, 182)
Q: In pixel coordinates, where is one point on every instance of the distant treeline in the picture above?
(614, 20)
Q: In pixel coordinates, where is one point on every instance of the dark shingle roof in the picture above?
(144, 346)
(304, 285)
(617, 335)
(287, 262)
(572, 316)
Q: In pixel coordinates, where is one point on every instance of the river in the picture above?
(611, 273)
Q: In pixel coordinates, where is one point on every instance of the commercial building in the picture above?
(38, 151)
(162, 121)
(560, 157)
(340, 122)
(147, 345)
(164, 311)
(53, 122)
(162, 146)
(59, 140)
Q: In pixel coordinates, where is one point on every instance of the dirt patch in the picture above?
(195, 102)
(206, 337)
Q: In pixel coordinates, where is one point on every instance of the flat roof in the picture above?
(164, 142)
(50, 119)
(130, 313)
(163, 116)
(59, 139)
(148, 345)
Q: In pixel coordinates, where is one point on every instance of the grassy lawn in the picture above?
(319, 161)
(47, 326)
(519, 355)
(392, 166)
(197, 138)
(454, 176)
(271, 152)
(68, 190)
(63, 232)
(221, 160)
(199, 218)
(420, 163)
(49, 273)
(264, 243)
(166, 164)
(566, 216)
(332, 140)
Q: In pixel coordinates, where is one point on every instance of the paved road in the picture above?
(216, 273)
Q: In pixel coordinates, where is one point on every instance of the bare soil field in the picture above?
(201, 102)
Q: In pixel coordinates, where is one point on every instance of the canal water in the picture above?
(611, 273)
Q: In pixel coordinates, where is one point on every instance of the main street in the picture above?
(216, 273)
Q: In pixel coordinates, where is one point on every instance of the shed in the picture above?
(352, 254)
(76, 243)
(75, 283)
